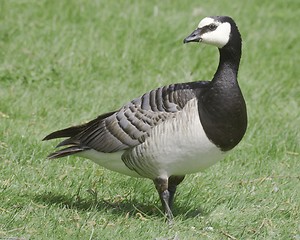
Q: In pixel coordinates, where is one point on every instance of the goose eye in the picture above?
(212, 26)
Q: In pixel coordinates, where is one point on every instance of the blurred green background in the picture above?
(65, 62)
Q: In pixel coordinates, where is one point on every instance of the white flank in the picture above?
(178, 146)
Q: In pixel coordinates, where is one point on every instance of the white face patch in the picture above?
(206, 21)
(218, 37)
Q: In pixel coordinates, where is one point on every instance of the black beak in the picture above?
(194, 36)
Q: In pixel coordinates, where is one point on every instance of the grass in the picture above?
(65, 62)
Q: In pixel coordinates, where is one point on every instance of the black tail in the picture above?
(67, 132)
(66, 152)
(71, 133)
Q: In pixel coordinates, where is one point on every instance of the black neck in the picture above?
(221, 107)
(228, 64)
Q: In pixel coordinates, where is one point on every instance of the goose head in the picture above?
(218, 31)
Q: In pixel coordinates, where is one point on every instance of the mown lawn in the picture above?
(65, 62)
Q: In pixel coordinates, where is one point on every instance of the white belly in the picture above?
(111, 161)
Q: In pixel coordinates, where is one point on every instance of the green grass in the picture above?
(65, 62)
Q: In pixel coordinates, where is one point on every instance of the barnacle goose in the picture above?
(173, 130)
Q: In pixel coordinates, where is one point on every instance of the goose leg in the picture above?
(172, 186)
(161, 185)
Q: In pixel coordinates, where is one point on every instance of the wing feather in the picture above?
(132, 124)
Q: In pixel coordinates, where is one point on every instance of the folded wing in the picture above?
(127, 127)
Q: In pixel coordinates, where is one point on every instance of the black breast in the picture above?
(223, 114)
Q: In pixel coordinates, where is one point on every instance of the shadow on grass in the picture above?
(126, 207)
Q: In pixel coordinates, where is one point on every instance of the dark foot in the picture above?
(166, 189)
(164, 195)
(172, 186)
